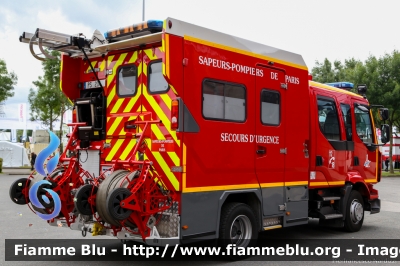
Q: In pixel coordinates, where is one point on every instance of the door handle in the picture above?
(261, 151)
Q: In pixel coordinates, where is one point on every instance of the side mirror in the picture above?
(383, 114)
(385, 133)
(362, 89)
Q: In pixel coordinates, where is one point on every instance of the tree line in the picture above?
(381, 75)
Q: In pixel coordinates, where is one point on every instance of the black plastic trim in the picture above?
(341, 145)
(199, 235)
(297, 220)
(318, 161)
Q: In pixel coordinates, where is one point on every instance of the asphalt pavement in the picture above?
(19, 222)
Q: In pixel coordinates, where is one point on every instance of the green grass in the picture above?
(388, 174)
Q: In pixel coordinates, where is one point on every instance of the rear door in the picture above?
(269, 140)
(137, 90)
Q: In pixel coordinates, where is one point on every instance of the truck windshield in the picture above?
(364, 125)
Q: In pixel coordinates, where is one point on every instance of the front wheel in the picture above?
(238, 225)
(354, 212)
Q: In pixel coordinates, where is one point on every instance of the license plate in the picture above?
(94, 84)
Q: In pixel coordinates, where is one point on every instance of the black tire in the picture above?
(354, 212)
(16, 189)
(113, 203)
(238, 226)
(107, 185)
(41, 191)
(81, 199)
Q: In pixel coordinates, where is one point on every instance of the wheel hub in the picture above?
(241, 230)
(356, 211)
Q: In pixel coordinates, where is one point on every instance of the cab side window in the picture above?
(346, 113)
(328, 118)
(363, 123)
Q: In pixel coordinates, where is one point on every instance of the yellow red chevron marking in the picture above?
(150, 54)
(173, 89)
(122, 148)
(160, 114)
(131, 103)
(128, 150)
(157, 132)
(117, 105)
(114, 126)
(114, 149)
(167, 100)
(166, 169)
(174, 157)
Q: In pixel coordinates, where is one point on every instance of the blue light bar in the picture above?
(342, 85)
(150, 26)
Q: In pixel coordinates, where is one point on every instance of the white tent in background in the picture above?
(13, 155)
(5, 136)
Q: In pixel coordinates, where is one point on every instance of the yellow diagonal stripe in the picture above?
(167, 100)
(160, 114)
(166, 170)
(174, 157)
(131, 103)
(114, 126)
(128, 149)
(114, 149)
(117, 105)
(111, 96)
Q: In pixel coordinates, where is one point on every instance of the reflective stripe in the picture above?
(277, 184)
(174, 157)
(166, 169)
(216, 188)
(128, 150)
(114, 149)
(296, 183)
(114, 125)
(160, 114)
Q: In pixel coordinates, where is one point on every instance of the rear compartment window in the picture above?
(127, 81)
(224, 101)
(270, 107)
(157, 83)
(328, 118)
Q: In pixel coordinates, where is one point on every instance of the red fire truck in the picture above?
(184, 133)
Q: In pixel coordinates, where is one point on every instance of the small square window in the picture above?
(127, 81)
(156, 81)
(270, 107)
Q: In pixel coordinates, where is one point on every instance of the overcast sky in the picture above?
(315, 29)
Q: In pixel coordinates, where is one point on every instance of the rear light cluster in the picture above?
(174, 114)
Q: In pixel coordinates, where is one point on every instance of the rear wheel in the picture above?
(238, 225)
(354, 212)
(41, 192)
(81, 199)
(17, 191)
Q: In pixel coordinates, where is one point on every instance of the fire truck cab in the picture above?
(191, 134)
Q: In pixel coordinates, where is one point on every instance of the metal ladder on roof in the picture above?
(70, 44)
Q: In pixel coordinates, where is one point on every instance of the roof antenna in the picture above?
(143, 11)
